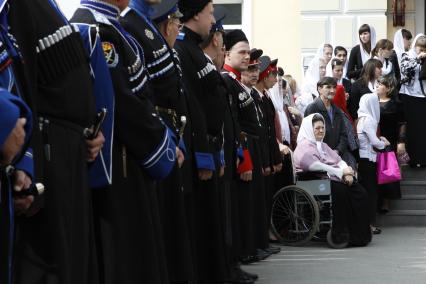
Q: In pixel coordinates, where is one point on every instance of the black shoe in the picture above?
(376, 231)
(273, 250)
(250, 275)
(274, 241)
(250, 259)
(383, 211)
(262, 254)
(239, 277)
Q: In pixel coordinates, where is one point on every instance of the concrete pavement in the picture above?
(396, 256)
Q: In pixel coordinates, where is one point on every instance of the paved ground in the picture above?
(397, 256)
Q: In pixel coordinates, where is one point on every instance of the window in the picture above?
(238, 14)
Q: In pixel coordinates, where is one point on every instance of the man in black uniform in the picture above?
(56, 244)
(16, 164)
(14, 132)
(205, 117)
(129, 237)
(165, 91)
(247, 127)
(272, 161)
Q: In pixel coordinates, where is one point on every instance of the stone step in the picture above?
(413, 187)
(413, 173)
(409, 202)
(403, 218)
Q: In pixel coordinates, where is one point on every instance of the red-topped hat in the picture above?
(267, 66)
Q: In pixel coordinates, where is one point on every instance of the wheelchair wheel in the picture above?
(295, 216)
(334, 245)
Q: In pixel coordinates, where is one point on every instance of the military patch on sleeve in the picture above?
(242, 96)
(149, 34)
(110, 54)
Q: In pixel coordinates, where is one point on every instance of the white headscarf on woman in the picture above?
(369, 109)
(312, 75)
(412, 52)
(364, 54)
(398, 45)
(329, 70)
(306, 131)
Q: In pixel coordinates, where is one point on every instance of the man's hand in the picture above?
(246, 176)
(180, 157)
(14, 142)
(205, 174)
(284, 149)
(266, 171)
(349, 180)
(22, 182)
(221, 171)
(94, 146)
(278, 168)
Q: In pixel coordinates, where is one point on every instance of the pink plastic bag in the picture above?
(387, 168)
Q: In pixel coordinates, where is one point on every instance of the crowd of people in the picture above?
(141, 143)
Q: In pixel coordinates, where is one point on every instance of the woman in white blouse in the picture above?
(368, 122)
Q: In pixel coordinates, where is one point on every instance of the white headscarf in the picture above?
(312, 75)
(277, 97)
(329, 70)
(369, 108)
(398, 44)
(306, 131)
(412, 52)
(364, 54)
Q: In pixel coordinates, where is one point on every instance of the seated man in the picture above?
(336, 136)
(350, 217)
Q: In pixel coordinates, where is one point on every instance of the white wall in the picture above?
(68, 6)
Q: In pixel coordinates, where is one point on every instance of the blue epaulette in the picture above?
(181, 36)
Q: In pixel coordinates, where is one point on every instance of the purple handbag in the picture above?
(387, 168)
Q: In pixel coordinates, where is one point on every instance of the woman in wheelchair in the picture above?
(350, 200)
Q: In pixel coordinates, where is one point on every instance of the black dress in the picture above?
(391, 120)
(57, 244)
(129, 236)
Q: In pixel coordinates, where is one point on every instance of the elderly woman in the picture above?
(350, 217)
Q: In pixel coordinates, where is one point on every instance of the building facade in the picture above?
(292, 30)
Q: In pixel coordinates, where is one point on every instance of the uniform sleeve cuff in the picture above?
(204, 161)
(247, 164)
(9, 114)
(160, 163)
(26, 163)
(240, 154)
(220, 158)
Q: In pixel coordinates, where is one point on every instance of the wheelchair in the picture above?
(303, 211)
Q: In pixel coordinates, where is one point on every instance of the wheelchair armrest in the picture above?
(312, 175)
